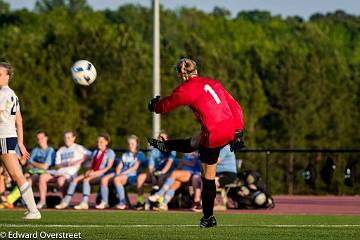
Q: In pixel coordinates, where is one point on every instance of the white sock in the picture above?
(28, 197)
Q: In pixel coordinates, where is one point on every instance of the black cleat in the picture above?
(159, 144)
(207, 222)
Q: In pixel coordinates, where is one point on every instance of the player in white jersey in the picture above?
(67, 163)
(11, 134)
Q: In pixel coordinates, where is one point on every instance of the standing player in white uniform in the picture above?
(11, 134)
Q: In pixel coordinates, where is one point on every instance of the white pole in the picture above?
(156, 63)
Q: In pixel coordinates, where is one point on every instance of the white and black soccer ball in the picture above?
(83, 72)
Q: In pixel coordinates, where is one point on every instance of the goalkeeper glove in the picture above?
(152, 103)
(238, 143)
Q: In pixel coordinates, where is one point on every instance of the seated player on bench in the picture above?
(102, 161)
(160, 167)
(41, 158)
(125, 173)
(188, 166)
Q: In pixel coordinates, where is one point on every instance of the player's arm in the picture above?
(119, 167)
(151, 164)
(132, 168)
(77, 162)
(179, 97)
(85, 157)
(23, 160)
(58, 163)
(167, 166)
(20, 136)
(40, 165)
(104, 170)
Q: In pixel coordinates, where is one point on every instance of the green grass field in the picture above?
(181, 225)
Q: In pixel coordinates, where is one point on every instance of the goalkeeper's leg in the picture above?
(180, 145)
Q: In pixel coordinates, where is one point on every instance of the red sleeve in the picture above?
(178, 97)
(236, 111)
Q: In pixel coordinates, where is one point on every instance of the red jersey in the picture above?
(216, 110)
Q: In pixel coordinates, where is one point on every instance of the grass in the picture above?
(182, 225)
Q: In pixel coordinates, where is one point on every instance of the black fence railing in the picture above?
(282, 166)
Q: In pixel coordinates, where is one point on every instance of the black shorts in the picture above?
(209, 155)
(226, 178)
(8, 145)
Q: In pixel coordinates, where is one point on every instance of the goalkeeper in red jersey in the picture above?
(221, 120)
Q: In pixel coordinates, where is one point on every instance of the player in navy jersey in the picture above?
(11, 135)
(159, 168)
(102, 161)
(125, 173)
(187, 167)
(221, 120)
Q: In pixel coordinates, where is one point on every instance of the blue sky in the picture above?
(303, 8)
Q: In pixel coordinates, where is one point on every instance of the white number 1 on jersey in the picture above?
(209, 89)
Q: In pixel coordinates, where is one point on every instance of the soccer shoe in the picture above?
(161, 207)
(154, 198)
(32, 216)
(102, 205)
(6, 205)
(62, 205)
(208, 222)
(41, 205)
(121, 206)
(159, 144)
(82, 206)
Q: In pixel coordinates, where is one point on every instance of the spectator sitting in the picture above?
(226, 167)
(67, 163)
(125, 172)
(159, 169)
(188, 166)
(102, 161)
(41, 159)
(225, 174)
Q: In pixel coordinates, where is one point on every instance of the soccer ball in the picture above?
(83, 72)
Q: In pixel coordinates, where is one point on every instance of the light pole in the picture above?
(156, 63)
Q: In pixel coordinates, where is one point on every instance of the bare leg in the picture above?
(43, 181)
(196, 183)
(11, 163)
